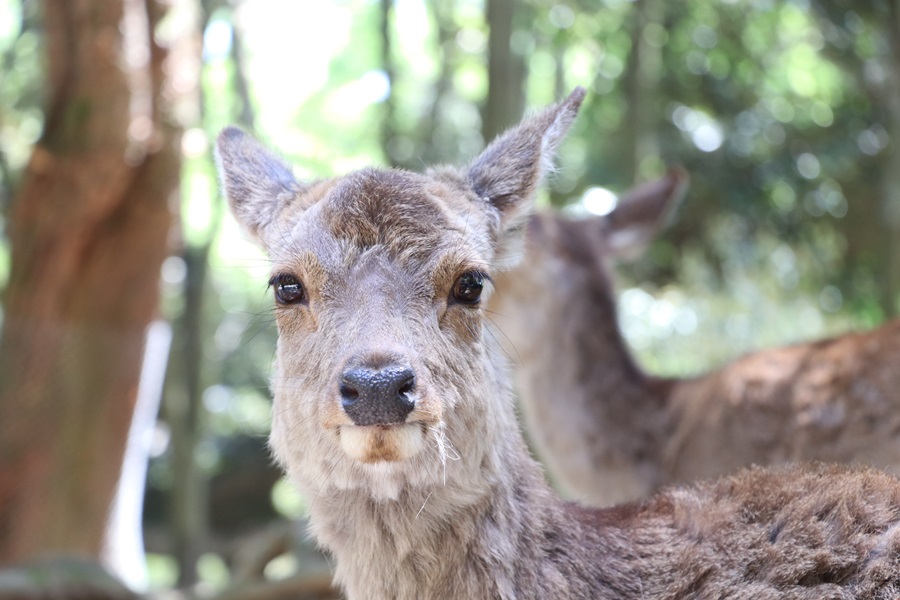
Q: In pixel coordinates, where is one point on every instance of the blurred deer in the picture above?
(392, 411)
(609, 432)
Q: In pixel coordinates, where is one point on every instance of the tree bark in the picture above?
(388, 116)
(189, 518)
(432, 150)
(88, 232)
(506, 71)
(641, 81)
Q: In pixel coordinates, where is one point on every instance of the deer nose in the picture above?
(380, 396)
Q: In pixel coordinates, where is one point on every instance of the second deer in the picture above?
(609, 432)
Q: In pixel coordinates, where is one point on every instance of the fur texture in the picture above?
(449, 503)
(610, 433)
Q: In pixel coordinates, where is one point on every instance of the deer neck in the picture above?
(593, 413)
(476, 532)
(571, 261)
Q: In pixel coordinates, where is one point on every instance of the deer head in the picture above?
(379, 278)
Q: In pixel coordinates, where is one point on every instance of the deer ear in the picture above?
(641, 212)
(509, 170)
(257, 183)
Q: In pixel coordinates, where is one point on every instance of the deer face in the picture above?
(379, 279)
(378, 289)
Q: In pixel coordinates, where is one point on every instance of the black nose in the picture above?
(377, 396)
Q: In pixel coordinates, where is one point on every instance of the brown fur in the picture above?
(457, 508)
(611, 433)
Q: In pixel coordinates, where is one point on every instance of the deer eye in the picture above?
(467, 289)
(288, 289)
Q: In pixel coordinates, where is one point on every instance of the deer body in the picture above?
(392, 412)
(611, 433)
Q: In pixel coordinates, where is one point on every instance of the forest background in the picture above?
(128, 291)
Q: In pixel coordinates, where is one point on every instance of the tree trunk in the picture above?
(641, 81)
(190, 527)
(388, 115)
(433, 150)
(506, 71)
(88, 233)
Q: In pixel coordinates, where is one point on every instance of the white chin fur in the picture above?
(373, 445)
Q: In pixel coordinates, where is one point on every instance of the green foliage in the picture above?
(162, 571)
(288, 502)
(213, 571)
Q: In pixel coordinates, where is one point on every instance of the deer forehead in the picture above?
(422, 223)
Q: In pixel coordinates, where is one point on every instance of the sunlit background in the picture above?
(780, 111)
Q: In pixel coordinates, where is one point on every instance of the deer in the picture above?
(609, 432)
(393, 411)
